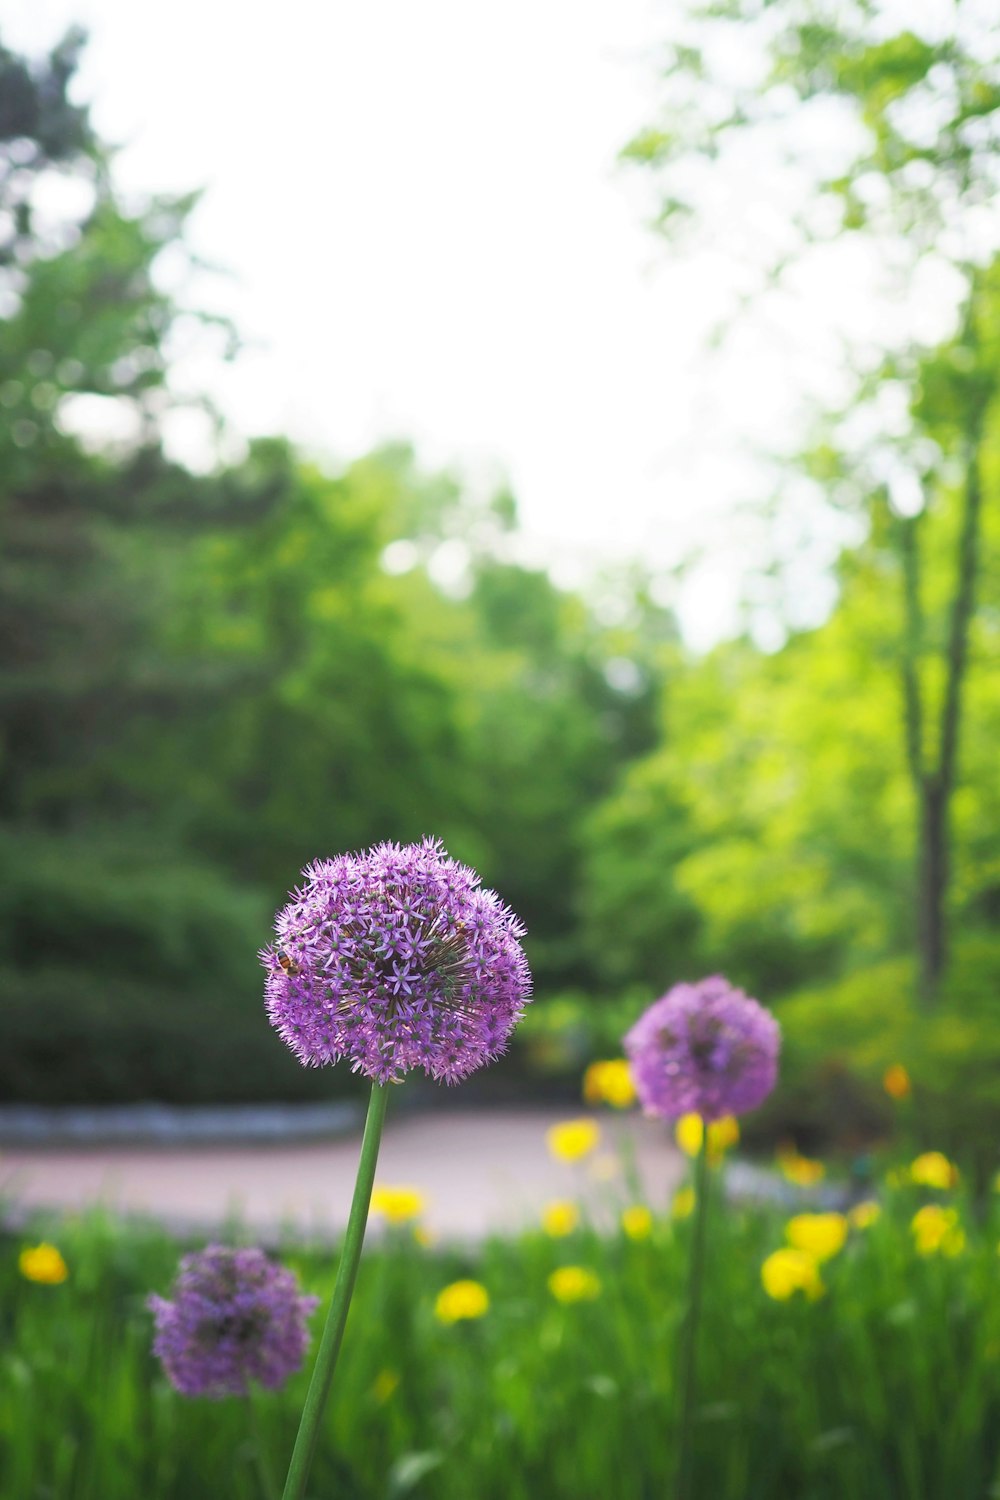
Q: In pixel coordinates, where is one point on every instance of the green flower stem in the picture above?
(268, 1486)
(688, 1365)
(333, 1333)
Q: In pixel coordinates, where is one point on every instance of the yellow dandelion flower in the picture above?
(683, 1205)
(609, 1082)
(398, 1205)
(461, 1299)
(384, 1385)
(560, 1218)
(574, 1284)
(934, 1170)
(786, 1272)
(863, 1215)
(689, 1132)
(43, 1263)
(802, 1171)
(637, 1222)
(423, 1236)
(896, 1082)
(936, 1231)
(573, 1140)
(819, 1235)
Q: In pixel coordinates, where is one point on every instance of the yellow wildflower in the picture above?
(683, 1204)
(461, 1299)
(574, 1284)
(863, 1215)
(398, 1205)
(573, 1140)
(934, 1170)
(43, 1263)
(937, 1230)
(689, 1133)
(896, 1082)
(637, 1222)
(560, 1218)
(423, 1236)
(819, 1235)
(384, 1385)
(609, 1082)
(800, 1170)
(786, 1272)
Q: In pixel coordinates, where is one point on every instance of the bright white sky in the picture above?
(430, 239)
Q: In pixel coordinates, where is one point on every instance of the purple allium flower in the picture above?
(235, 1317)
(396, 959)
(705, 1049)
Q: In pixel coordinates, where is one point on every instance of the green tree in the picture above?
(915, 109)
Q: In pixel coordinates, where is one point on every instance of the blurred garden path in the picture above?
(480, 1170)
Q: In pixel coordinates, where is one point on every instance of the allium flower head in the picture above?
(396, 959)
(236, 1317)
(705, 1049)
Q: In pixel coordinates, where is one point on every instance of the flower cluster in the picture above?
(396, 959)
(705, 1049)
(236, 1317)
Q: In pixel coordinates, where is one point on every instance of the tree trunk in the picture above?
(932, 888)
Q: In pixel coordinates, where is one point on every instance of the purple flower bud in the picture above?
(396, 959)
(236, 1317)
(705, 1049)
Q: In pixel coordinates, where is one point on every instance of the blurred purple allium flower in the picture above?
(396, 959)
(705, 1049)
(235, 1317)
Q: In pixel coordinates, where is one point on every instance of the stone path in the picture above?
(481, 1171)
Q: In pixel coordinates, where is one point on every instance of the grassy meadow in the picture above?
(879, 1379)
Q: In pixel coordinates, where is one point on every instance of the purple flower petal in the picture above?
(235, 1317)
(394, 959)
(704, 1049)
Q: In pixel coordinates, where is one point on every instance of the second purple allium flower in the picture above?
(236, 1317)
(705, 1049)
(394, 959)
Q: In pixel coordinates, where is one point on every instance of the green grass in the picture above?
(889, 1386)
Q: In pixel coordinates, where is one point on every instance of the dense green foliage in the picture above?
(887, 1388)
(208, 679)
